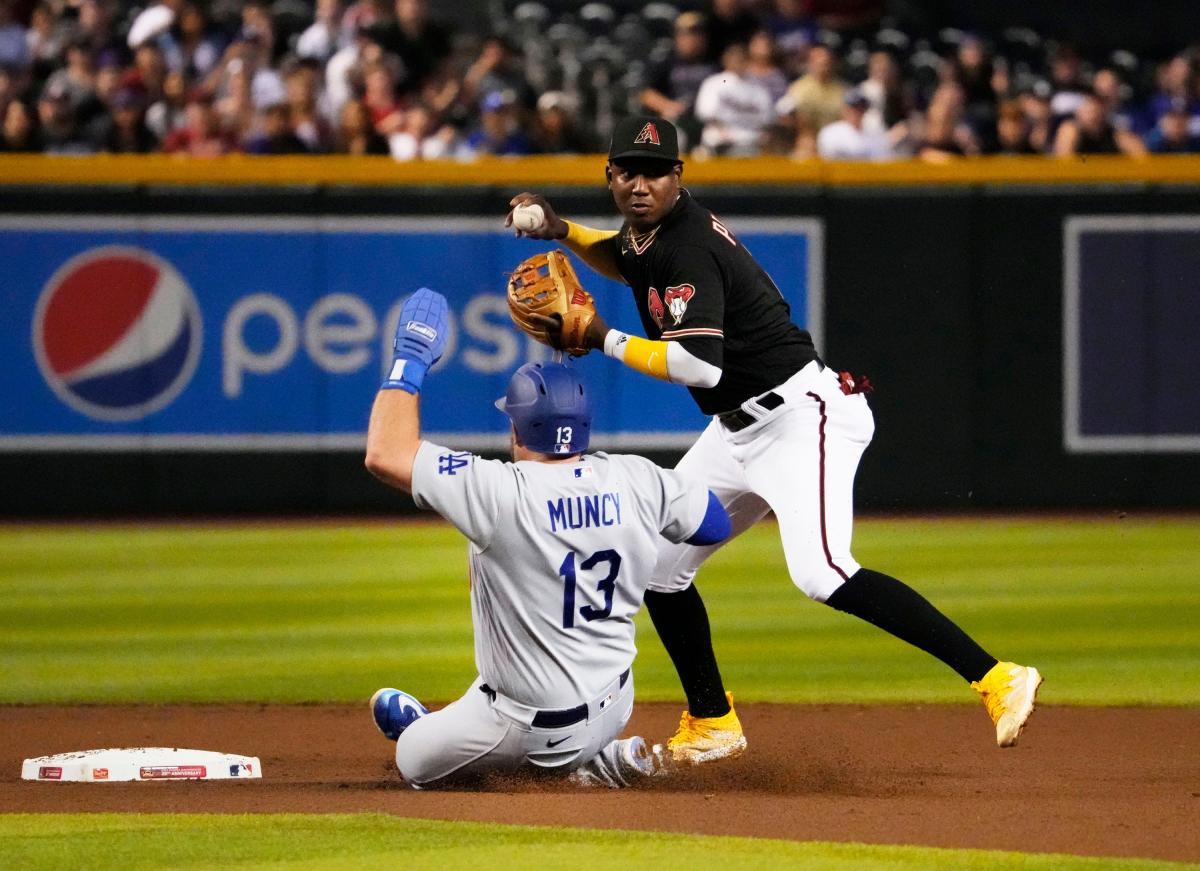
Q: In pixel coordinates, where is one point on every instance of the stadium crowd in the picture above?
(739, 77)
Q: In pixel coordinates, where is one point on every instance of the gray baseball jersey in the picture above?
(560, 556)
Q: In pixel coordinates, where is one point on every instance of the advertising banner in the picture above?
(243, 333)
(1131, 360)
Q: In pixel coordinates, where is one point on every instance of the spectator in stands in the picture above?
(95, 24)
(498, 69)
(1012, 130)
(191, 45)
(123, 129)
(78, 78)
(1067, 81)
(149, 70)
(672, 85)
(18, 132)
(557, 130)
(1116, 96)
(422, 45)
(274, 134)
(498, 131)
(300, 81)
(14, 45)
(1035, 104)
(324, 36)
(762, 64)
(249, 57)
(815, 99)
(856, 136)
(1176, 80)
(1090, 132)
(975, 75)
(343, 71)
(359, 17)
(734, 109)
(1171, 135)
(884, 88)
(58, 129)
(794, 33)
(424, 137)
(47, 38)
(234, 103)
(169, 111)
(380, 95)
(201, 135)
(356, 134)
(946, 134)
(729, 22)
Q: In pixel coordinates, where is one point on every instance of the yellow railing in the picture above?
(543, 171)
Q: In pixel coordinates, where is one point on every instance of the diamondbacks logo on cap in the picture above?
(649, 133)
(117, 333)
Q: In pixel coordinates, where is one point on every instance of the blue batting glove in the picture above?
(420, 340)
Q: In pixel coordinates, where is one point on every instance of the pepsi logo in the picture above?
(117, 333)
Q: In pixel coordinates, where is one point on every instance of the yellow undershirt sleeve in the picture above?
(644, 355)
(594, 247)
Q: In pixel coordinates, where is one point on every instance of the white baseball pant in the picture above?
(798, 460)
(485, 733)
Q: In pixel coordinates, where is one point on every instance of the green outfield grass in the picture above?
(1106, 608)
(374, 841)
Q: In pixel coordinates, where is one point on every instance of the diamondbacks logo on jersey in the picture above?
(648, 133)
(655, 305)
(677, 299)
(117, 333)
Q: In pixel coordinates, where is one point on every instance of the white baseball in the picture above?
(528, 217)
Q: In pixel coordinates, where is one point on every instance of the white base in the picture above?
(141, 763)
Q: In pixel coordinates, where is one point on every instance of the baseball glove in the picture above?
(545, 285)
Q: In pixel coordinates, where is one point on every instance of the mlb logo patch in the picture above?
(584, 471)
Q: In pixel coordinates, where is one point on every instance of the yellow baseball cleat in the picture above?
(1009, 692)
(707, 739)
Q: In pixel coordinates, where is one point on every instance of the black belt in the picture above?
(740, 418)
(557, 719)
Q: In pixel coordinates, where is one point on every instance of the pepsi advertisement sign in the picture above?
(259, 333)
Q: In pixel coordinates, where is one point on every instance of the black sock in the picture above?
(682, 623)
(897, 608)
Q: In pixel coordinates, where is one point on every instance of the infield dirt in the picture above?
(1090, 781)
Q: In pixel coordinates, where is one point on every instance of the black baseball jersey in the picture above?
(696, 284)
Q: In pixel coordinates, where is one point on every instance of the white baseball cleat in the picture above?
(621, 763)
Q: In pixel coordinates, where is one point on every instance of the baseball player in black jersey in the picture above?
(786, 433)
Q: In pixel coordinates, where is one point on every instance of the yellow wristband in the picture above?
(644, 355)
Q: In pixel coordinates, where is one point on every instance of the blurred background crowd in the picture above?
(835, 79)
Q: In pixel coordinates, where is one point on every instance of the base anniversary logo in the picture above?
(117, 333)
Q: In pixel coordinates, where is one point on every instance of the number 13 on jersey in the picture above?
(607, 586)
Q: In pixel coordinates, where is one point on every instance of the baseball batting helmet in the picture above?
(549, 408)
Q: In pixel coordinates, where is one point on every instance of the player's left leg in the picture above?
(465, 738)
(825, 434)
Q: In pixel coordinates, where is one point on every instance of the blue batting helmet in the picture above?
(549, 408)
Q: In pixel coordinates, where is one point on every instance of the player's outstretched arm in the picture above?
(394, 433)
(667, 361)
(595, 247)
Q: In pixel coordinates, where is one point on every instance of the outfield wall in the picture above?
(1029, 325)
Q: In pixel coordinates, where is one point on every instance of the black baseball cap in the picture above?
(643, 136)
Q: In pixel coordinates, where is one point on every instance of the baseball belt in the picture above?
(554, 719)
(739, 418)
